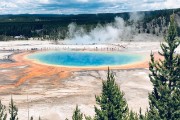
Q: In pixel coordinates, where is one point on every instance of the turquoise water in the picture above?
(85, 59)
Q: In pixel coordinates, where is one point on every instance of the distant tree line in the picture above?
(55, 27)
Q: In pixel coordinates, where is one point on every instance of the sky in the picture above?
(83, 6)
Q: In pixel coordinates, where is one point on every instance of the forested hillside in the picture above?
(55, 27)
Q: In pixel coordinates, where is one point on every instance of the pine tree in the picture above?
(141, 117)
(146, 115)
(165, 77)
(77, 115)
(3, 114)
(112, 104)
(31, 118)
(88, 117)
(133, 116)
(13, 110)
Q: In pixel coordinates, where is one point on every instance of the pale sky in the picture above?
(83, 6)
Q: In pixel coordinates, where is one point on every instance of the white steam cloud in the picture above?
(108, 33)
(177, 20)
(115, 31)
(136, 16)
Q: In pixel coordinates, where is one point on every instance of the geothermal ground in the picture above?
(53, 92)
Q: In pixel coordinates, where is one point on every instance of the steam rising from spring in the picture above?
(112, 32)
(115, 31)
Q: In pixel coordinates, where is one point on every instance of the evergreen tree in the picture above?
(146, 115)
(31, 118)
(77, 115)
(3, 114)
(13, 110)
(141, 117)
(133, 116)
(88, 117)
(165, 77)
(112, 104)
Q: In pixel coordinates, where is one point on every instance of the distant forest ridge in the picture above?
(55, 27)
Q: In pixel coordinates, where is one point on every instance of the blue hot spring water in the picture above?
(85, 59)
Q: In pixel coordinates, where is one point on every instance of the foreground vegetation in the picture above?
(164, 100)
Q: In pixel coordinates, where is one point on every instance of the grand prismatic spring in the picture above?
(85, 59)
